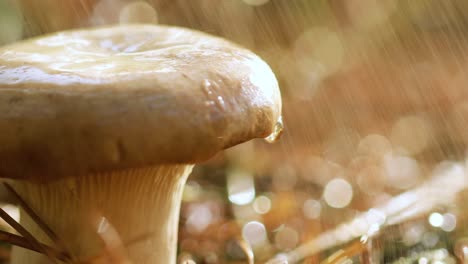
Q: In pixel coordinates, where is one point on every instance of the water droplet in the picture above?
(209, 103)
(277, 131)
(206, 85)
(220, 102)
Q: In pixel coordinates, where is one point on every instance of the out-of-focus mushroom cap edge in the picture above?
(174, 96)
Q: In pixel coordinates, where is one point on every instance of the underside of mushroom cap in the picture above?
(121, 97)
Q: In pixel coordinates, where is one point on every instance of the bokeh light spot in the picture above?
(241, 189)
(402, 172)
(255, 233)
(312, 209)
(319, 51)
(138, 12)
(450, 222)
(412, 133)
(286, 238)
(338, 193)
(199, 218)
(436, 219)
(262, 204)
(374, 145)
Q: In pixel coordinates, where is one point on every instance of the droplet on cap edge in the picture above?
(277, 131)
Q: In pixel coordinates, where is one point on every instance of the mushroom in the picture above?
(100, 129)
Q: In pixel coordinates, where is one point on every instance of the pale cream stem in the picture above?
(137, 203)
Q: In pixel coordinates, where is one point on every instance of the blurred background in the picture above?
(371, 167)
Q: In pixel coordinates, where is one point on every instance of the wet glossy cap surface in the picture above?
(121, 97)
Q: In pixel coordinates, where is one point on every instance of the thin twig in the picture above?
(25, 233)
(22, 242)
(29, 242)
(51, 234)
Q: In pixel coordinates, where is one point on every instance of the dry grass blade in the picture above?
(22, 242)
(439, 190)
(25, 233)
(113, 253)
(356, 248)
(245, 246)
(55, 239)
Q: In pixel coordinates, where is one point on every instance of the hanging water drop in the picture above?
(277, 131)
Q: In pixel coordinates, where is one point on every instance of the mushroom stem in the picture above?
(98, 213)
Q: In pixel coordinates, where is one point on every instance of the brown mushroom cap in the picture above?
(121, 97)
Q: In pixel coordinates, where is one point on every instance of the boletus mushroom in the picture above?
(108, 122)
